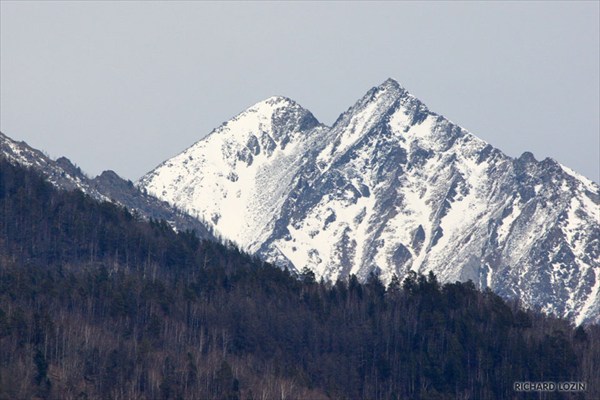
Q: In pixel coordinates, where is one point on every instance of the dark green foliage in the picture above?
(97, 304)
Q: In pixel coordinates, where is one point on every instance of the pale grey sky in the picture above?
(126, 85)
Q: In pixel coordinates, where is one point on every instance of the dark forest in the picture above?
(96, 303)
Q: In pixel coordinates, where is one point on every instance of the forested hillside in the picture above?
(98, 304)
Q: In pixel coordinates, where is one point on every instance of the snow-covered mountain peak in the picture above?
(389, 188)
(219, 175)
(372, 116)
(266, 108)
(275, 102)
(391, 82)
(379, 104)
(389, 90)
(391, 87)
(277, 115)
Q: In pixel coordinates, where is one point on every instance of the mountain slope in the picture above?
(393, 187)
(106, 187)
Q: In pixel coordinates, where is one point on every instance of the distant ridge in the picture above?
(106, 187)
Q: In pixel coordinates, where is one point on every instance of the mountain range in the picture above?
(389, 189)
(392, 187)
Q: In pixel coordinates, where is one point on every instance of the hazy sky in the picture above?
(124, 86)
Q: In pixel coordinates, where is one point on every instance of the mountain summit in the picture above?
(391, 188)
